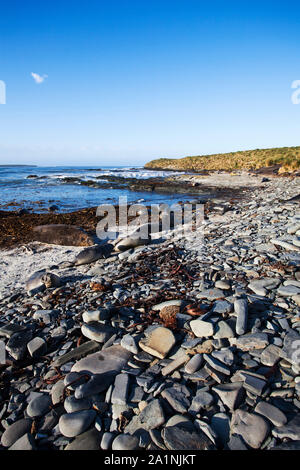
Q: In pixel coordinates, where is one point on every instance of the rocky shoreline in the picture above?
(172, 345)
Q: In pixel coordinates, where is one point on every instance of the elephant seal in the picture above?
(62, 234)
(93, 253)
(141, 236)
(42, 279)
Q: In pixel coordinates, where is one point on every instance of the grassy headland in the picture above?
(288, 158)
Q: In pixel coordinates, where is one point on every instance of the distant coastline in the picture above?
(22, 166)
(287, 159)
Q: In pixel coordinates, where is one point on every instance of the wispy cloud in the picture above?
(38, 78)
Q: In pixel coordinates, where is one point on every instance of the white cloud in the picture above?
(38, 78)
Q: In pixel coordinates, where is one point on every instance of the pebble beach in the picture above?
(179, 343)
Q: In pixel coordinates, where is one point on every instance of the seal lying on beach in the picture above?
(141, 236)
(42, 279)
(62, 234)
(93, 253)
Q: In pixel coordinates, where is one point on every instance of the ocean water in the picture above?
(48, 187)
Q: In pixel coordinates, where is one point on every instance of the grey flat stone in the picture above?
(17, 343)
(125, 442)
(168, 303)
(46, 316)
(290, 430)
(254, 384)
(236, 443)
(222, 306)
(175, 364)
(101, 314)
(194, 364)
(136, 395)
(71, 404)
(201, 401)
(15, 431)
(96, 384)
(107, 440)
(270, 355)
(211, 294)
(290, 350)
(120, 390)
(216, 364)
(223, 330)
(231, 394)
(272, 413)
(39, 406)
(112, 359)
(37, 347)
(11, 328)
(150, 418)
(184, 436)
(128, 342)
(220, 423)
(25, 442)
(81, 351)
(176, 398)
(224, 355)
(251, 427)
(241, 310)
(252, 341)
(73, 424)
(97, 331)
(57, 392)
(288, 291)
(176, 419)
(89, 440)
(202, 328)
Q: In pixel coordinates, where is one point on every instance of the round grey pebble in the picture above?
(39, 406)
(73, 424)
(125, 442)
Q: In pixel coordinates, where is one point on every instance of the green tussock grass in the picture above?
(287, 157)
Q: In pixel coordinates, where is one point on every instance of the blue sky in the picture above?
(128, 81)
